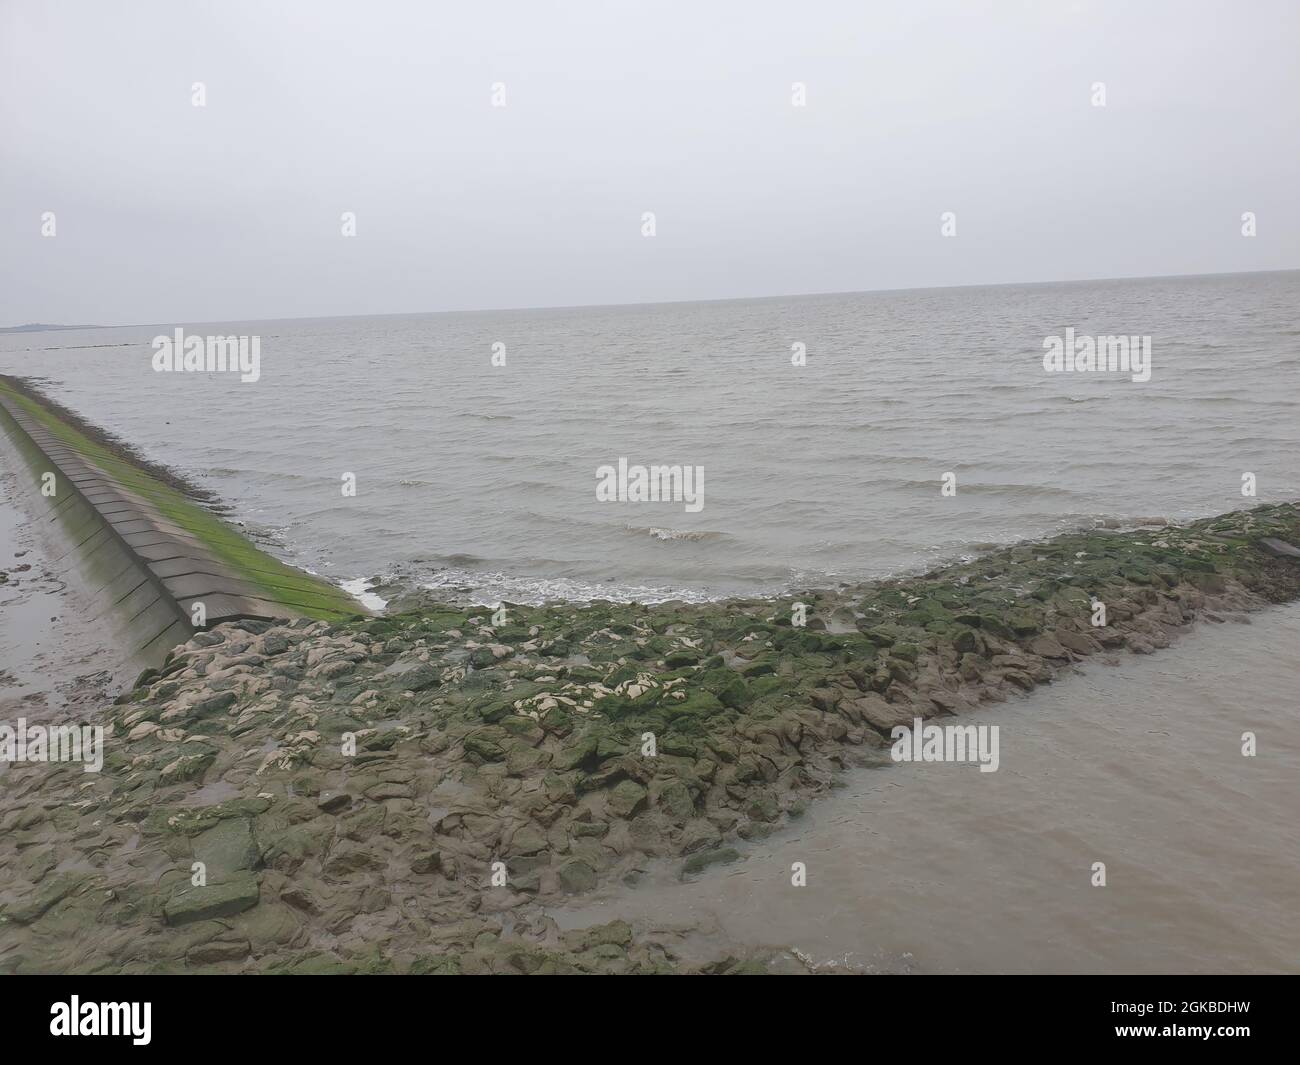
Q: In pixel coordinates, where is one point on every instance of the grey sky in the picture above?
(171, 213)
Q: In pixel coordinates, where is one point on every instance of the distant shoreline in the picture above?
(42, 327)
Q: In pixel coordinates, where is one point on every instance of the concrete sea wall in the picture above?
(157, 559)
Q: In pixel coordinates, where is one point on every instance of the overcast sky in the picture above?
(167, 212)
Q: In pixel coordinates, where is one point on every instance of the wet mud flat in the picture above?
(410, 793)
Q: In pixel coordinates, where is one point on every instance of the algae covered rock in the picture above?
(626, 798)
(235, 895)
(576, 876)
(227, 849)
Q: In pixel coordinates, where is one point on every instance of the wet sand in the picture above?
(940, 868)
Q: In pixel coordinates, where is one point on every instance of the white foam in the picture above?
(359, 589)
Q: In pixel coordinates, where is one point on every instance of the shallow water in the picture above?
(481, 479)
(941, 868)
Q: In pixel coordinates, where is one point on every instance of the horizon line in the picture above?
(53, 327)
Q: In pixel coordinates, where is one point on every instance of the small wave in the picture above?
(1107, 521)
(691, 535)
(1019, 491)
(456, 559)
(79, 347)
(985, 488)
(488, 589)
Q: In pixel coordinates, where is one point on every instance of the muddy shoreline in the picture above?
(406, 793)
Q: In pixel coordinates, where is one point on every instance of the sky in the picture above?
(164, 211)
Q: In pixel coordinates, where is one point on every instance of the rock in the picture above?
(576, 876)
(699, 703)
(825, 699)
(190, 904)
(523, 759)
(191, 763)
(334, 801)
(697, 863)
(482, 657)
(1078, 642)
(627, 798)
(274, 644)
(946, 701)
(484, 745)
(143, 729)
(389, 790)
(1279, 548)
(994, 624)
(347, 858)
(527, 839)
(1049, 647)
(42, 898)
(727, 687)
(1023, 623)
(213, 705)
(430, 862)
(1019, 678)
(698, 835)
(881, 715)
(330, 670)
(299, 900)
(227, 849)
(615, 934)
(217, 951)
(675, 797)
(419, 679)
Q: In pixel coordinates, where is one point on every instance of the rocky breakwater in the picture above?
(404, 793)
